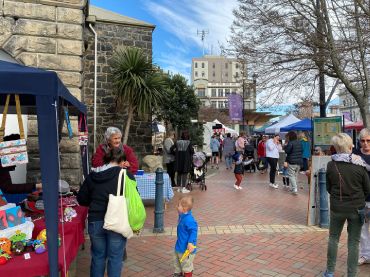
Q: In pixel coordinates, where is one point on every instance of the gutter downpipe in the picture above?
(95, 78)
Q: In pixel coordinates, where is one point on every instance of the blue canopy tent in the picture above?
(303, 125)
(42, 93)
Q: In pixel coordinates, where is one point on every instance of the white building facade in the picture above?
(215, 77)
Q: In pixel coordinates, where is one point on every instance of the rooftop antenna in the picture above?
(202, 34)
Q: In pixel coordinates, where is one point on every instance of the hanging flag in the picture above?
(347, 115)
(235, 107)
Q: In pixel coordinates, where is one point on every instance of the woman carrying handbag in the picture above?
(99, 188)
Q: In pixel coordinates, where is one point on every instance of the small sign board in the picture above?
(324, 128)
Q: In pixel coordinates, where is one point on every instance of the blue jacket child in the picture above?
(187, 232)
(187, 227)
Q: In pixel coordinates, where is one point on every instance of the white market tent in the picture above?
(227, 129)
(275, 129)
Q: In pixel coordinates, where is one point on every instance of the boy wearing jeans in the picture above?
(187, 232)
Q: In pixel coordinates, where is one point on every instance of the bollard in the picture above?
(158, 211)
(324, 204)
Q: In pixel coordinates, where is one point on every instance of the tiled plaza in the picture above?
(257, 231)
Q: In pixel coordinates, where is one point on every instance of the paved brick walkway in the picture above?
(257, 231)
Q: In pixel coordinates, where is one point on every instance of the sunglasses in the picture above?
(365, 140)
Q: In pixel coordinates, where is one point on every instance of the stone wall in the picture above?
(47, 34)
(111, 36)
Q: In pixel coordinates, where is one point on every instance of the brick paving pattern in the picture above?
(257, 231)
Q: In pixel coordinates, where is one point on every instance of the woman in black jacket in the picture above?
(184, 151)
(293, 159)
(348, 185)
(106, 246)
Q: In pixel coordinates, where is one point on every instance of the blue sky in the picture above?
(175, 39)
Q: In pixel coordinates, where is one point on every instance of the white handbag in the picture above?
(116, 217)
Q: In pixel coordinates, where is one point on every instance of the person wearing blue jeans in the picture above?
(229, 150)
(105, 246)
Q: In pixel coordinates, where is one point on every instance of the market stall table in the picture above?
(146, 186)
(38, 264)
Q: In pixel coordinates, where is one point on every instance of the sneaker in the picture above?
(276, 186)
(240, 187)
(362, 260)
(328, 274)
(272, 185)
(236, 187)
(184, 190)
(294, 192)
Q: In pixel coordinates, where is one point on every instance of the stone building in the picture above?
(55, 35)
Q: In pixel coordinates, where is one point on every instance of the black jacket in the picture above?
(294, 152)
(184, 151)
(95, 191)
(350, 195)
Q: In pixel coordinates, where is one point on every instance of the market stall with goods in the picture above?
(32, 91)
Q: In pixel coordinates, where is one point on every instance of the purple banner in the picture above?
(235, 107)
(347, 115)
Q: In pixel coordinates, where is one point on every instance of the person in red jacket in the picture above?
(113, 139)
(261, 154)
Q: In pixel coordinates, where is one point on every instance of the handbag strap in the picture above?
(122, 172)
(19, 115)
(3, 122)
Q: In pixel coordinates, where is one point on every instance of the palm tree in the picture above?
(137, 84)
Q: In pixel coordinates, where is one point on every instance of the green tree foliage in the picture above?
(139, 87)
(180, 106)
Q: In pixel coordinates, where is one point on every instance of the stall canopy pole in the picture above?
(46, 121)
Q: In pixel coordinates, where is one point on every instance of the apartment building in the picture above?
(215, 77)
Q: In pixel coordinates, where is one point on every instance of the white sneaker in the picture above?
(272, 185)
(236, 187)
(276, 186)
(240, 187)
(184, 190)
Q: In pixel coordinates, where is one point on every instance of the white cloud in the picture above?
(183, 19)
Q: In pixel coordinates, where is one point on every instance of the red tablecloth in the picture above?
(38, 264)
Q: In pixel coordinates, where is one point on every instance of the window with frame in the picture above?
(226, 104)
(196, 65)
(236, 74)
(227, 92)
(213, 74)
(201, 92)
(220, 104)
(202, 65)
(203, 74)
(214, 104)
(236, 65)
(196, 73)
(220, 92)
(213, 65)
(213, 92)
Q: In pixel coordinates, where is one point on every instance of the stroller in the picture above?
(249, 154)
(198, 171)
